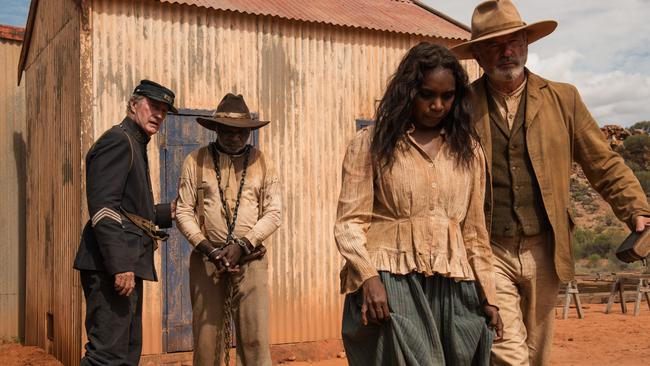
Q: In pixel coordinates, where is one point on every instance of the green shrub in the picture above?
(594, 260)
(644, 178)
(601, 242)
(637, 144)
(643, 125)
(581, 239)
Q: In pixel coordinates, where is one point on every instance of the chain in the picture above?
(230, 223)
(227, 318)
(230, 286)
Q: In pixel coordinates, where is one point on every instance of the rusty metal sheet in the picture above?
(53, 189)
(401, 16)
(12, 192)
(12, 33)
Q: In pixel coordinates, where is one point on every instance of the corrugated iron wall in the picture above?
(12, 194)
(52, 80)
(52, 16)
(311, 80)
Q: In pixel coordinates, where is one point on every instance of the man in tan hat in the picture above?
(531, 130)
(228, 204)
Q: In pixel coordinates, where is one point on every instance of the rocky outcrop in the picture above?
(616, 134)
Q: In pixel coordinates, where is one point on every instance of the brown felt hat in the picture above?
(495, 18)
(231, 111)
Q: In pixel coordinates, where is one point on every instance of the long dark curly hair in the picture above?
(393, 116)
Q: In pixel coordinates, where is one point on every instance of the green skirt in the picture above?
(434, 321)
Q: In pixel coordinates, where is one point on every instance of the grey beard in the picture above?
(506, 75)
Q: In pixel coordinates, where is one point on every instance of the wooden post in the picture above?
(621, 295)
(572, 292)
(610, 299)
(617, 287)
(642, 290)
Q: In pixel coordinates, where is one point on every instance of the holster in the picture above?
(635, 247)
(147, 226)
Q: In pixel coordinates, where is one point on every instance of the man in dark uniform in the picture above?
(118, 242)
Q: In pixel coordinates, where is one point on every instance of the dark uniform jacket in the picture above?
(117, 178)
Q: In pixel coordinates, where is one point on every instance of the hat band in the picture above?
(498, 27)
(232, 115)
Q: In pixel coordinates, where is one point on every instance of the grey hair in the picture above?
(134, 99)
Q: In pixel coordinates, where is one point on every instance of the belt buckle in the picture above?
(159, 235)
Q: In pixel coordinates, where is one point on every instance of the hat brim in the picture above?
(171, 106)
(535, 31)
(212, 123)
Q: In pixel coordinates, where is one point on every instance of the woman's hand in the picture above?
(375, 301)
(495, 322)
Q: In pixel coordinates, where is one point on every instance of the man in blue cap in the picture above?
(117, 245)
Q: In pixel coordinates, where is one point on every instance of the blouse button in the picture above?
(433, 185)
(430, 165)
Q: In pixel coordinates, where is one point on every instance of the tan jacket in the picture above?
(559, 129)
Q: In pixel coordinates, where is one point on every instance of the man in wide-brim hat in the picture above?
(531, 130)
(228, 204)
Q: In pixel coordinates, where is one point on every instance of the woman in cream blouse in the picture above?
(418, 268)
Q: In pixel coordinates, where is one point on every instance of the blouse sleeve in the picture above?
(475, 235)
(354, 213)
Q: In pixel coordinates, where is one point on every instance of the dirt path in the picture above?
(603, 339)
(599, 339)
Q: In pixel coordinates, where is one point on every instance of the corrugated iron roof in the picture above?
(401, 16)
(12, 33)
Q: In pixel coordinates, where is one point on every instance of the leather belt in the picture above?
(147, 226)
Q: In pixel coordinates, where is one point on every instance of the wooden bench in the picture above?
(618, 287)
(571, 292)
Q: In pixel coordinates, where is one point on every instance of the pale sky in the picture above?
(14, 12)
(600, 46)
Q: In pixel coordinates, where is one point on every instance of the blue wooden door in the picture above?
(179, 136)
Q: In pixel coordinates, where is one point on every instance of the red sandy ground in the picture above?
(599, 339)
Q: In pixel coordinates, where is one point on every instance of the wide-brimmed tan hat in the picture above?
(497, 18)
(231, 111)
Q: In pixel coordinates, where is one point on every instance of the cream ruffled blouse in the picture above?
(423, 215)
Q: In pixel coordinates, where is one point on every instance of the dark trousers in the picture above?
(113, 322)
